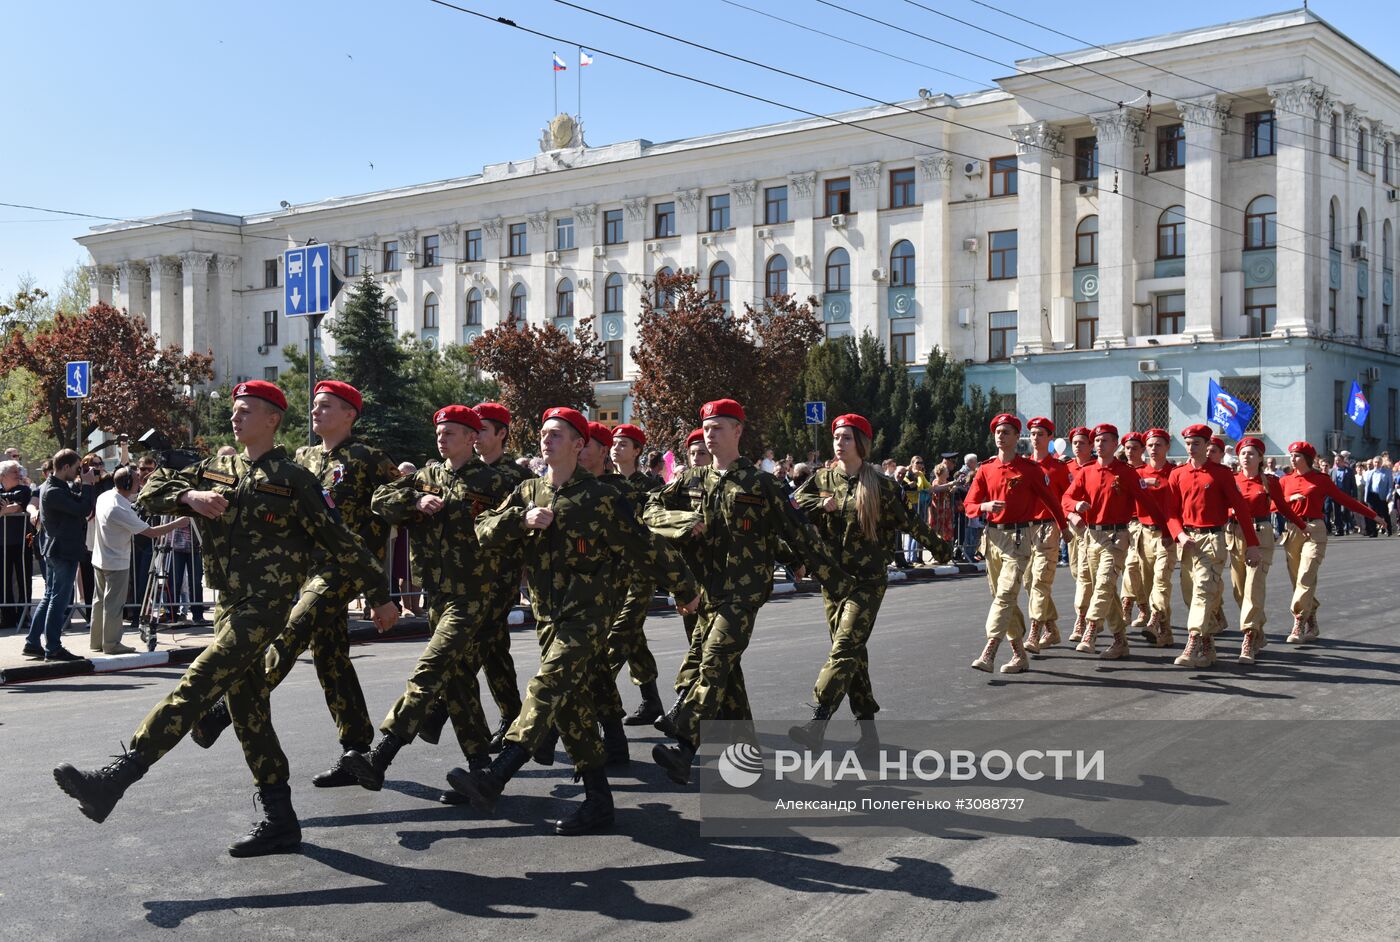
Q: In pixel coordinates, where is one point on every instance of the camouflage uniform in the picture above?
(455, 573)
(746, 518)
(257, 554)
(504, 592)
(627, 640)
(348, 473)
(851, 618)
(570, 568)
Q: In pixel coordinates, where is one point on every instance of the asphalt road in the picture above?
(396, 864)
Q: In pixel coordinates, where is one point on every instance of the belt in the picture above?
(1203, 529)
(1148, 526)
(1108, 527)
(1261, 521)
(1008, 526)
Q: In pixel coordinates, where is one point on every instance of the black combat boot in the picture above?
(675, 760)
(615, 744)
(430, 730)
(498, 738)
(667, 723)
(544, 753)
(483, 787)
(650, 709)
(811, 734)
(369, 767)
(207, 728)
(596, 812)
(476, 762)
(279, 832)
(338, 775)
(98, 792)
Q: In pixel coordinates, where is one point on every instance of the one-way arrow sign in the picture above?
(311, 283)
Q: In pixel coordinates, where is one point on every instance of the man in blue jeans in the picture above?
(65, 501)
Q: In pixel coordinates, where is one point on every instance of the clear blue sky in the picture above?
(132, 109)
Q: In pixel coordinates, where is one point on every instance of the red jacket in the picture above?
(1204, 497)
(1057, 476)
(1260, 492)
(1020, 483)
(1114, 493)
(1314, 488)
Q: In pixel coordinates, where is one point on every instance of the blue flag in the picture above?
(1229, 413)
(1357, 406)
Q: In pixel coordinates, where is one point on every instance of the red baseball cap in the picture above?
(857, 422)
(1041, 421)
(1304, 449)
(571, 416)
(262, 389)
(698, 435)
(1006, 418)
(1134, 437)
(493, 411)
(340, 391)
(627, 430)
(1250, 442)
(1079, 430)
(462, 415)
(1157, 433)
(1197, 431)
(1105, 428)
(722, 407)
(600, 433)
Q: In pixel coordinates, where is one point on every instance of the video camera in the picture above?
(153, 442)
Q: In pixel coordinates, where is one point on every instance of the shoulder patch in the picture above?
(280, 490)
(747, 499)
(429, 489)
(218, 477)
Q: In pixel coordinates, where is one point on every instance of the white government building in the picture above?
(1096, 252)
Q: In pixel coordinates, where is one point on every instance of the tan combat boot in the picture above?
(1248, 648)
(1049, 635)
(1030, 643)
(1191, 657)
(1207, 657)
(1310, 628)
(1078, 631)
(1144, 616)
(1019, 661)
(1086, 641)
(1296, 635)
(1127, 608)
(1118, 649)
(988, 655)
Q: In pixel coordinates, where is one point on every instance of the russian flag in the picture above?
(584, 58)
(559, 65)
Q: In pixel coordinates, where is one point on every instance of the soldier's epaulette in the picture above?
(748, 499)
(281, 490)
(218, 477)
(430, 489)
(478, 497)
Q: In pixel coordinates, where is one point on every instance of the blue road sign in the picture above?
(78, 379)
(814, 413)
(307, 290)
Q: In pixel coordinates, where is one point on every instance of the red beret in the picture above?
(1197, 431)
(493, 411)
(1105, 428)
(1135, 437)
(627, 430)
(698, 435)
(462, 415)
(600, 433)
(1006, 418)
(1079, 430)
(722, 407)
(1304, 449)
(1041, 421)
(340, 391)
(1157, 433)
(857, 422)
(572, 416)
(1250, 442)
(1218, 442)
(262, 389)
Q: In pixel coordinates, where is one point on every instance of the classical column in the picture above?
(196, 319)
(1037, 146)
(224, 324)
(635, 259)
(450, 286)
(937, 320)
(861, 239)
(1204, 119)
(166, 298)
(689, 253)
(410, 316)
(802, 189)
(749, 253)
(94, 279)
(132, 292)
(1119, 134)
(1297, 187)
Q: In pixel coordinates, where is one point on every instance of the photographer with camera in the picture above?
(65, 501)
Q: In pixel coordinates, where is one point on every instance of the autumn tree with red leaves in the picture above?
(136, 385)
(691, 350)
(538, 367)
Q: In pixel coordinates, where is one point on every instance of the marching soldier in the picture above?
(1135, 587)
(696, 454)
(1155, 547)
(1005, 492)
(1262, 493)
(575, 531)
(264, 520)
(1081, 441)
(441, 502)
(855, 508)
(1045, 542)
(1200, 496)
(349, 470)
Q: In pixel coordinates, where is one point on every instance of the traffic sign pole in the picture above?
(314, 325)
(78, 423)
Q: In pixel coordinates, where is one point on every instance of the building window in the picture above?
(473, 245)
(270, 373)
(663, 297)
(902, 347)
(1003, 182)
(472, 315)
(270, 273)
(901, 188)
(1335, 135)
(1387, 158)
(1260, 310)
(352, 261)
(612, 294)
(1171, 233)
(1001, 258)
(1261, 223)
(1150, 404)
(1086, 241)
(1246, 390)
(719, 212)
(269, 329)
(612, 355)
(1086, 160)
(1361, 226)
(719, 282)
(837, 196)
(1259, 139)
(563, 233)
(1171, 147)
(391, 256)
(519, 244)
(430, 311)
(838, 270)
(1363, 150)
(1001, 329)
(1171, 312)
(391, 312)
(564, 298)
(1332, 224)
(775, 208)
(612, 227)
(902, 265)
(664, 220)
(430, 251)
(1332, 309)
(775, 277)
(1086, 325)
(1067, 406)
(1360, 318)
(517, 303)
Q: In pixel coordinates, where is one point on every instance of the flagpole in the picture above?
(555, 72)
(579, 117)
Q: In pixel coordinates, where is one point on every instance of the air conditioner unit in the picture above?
(838, 221)
(1088, 189)
(973, 168)
(551, 258)
(1382, 330)
(1358, 251)
(964, 317)
(879, 274)
(1392, 195)
(262, 349)
(707, 240)
(1371, 374)
(690, 270)
(653, 247)
(765, 233)
(1148, 366)
(802, 261)
(970, 244)
(600, 251)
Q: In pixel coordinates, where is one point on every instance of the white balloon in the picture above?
(1060, 446)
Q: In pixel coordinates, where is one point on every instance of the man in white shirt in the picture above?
(116, 522)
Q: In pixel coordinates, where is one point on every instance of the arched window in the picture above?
(719, 281)
(473, 312)
(1387, 261)
(564, 298)
(838, 270)
(663, 297)
(1260, 223)
(391, 312)
(1171, 233)
(517, 302)
(775, 277)
(430, 311)
(612, 294)
(1361, 226)
(902, 264)
(1086, 241)
(1333, 236)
